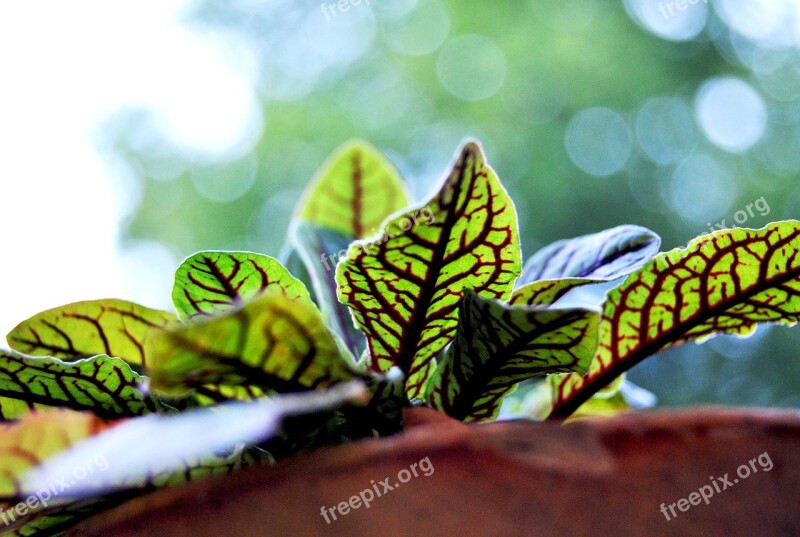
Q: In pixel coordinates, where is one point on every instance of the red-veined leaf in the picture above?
(90, 328)
(210, 283)
(726, 282)
(405, 285)
(498, 346)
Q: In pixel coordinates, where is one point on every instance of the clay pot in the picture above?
(606, 477)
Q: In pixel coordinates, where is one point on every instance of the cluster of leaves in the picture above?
(261, 360)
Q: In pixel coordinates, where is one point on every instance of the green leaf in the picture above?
(84, 329)
(602, 256)
(211, 394)
(106, 386)
(726, 282)
(273, 343)
(499, 346)
(353, 192)
(168, 446)
(546, 292)
(210, 283)
(37, 437)
(320, 248)
(404, 287)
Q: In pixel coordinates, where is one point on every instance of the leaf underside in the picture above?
(319, 247)
(602, 256)
(172, 449)
(726, 282)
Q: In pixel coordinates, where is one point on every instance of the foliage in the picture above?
(427, 313)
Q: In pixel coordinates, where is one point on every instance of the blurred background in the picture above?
(134, 134)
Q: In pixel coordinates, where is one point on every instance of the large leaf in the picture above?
(606, 255)
(273, 343)
(353, 192)
(106, 386)
(499, 346)
(159, 449)
(210, 283)
(404, 287)
(84, 329)
(726, 282)
(320, 248)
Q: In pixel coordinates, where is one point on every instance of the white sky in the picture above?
(64, 66)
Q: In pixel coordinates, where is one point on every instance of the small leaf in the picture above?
(85, 329)
(546, 292)
(210, 283)
(353, 192)
(603, 256)
(404, 286)
(106, 386)
(273, 343)
(163, 444)
(726, 282)
(499, 346)
(319, 248)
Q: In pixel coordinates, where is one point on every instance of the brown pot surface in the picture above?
(601, 478)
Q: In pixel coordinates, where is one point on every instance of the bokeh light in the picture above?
(136, 134)
(598, 141)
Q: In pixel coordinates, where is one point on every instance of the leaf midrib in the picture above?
(620, 365)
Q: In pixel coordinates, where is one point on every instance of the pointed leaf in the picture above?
(353, 192)
(106, 386)
(726, 282)
(164, 444)
(84, 329)
(546, 292)
(606, 255)
(320, 250)
(273, 343)
(210, 283)
(499, 346)
(404, 287)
